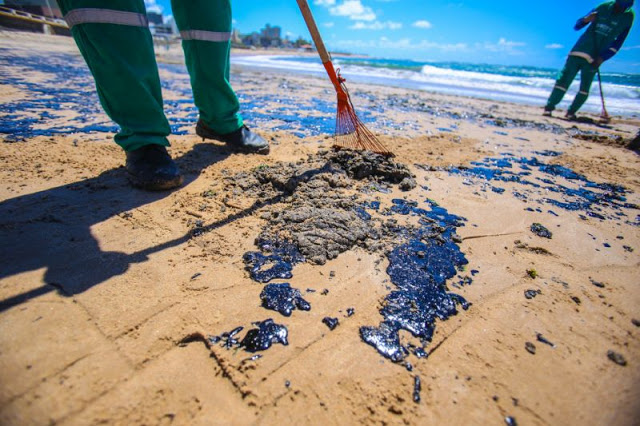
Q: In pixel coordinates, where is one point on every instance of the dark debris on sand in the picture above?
(617, 358)
(323, 215)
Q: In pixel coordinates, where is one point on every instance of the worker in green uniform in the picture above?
(610, 25)
(114, 39)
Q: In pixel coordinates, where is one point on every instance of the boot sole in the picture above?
(247, 150)
(158, 185)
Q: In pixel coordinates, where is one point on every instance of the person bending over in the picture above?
(114, 39)
(610, 25)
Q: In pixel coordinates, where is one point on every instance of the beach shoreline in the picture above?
(114, 303)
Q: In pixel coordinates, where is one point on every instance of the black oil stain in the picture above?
(530, 294)
(417, 387)
(617, 358)
(278, 263)
(283, 298)
(332, 323)
(575, 192)
(541, 231)
(419, 269)
(530, 347)
(267, 333)
(542, 339)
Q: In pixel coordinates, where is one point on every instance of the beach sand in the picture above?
(108, 294)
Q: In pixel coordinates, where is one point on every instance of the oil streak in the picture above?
(419, 269)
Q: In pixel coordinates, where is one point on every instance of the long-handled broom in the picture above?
(604, 115)
(350, 132)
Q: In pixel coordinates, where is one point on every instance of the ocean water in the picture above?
(528, 85)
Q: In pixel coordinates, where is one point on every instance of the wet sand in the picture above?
(114, 302)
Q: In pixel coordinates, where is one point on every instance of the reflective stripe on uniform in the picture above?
(582, 55)
(105, 16)
(583, 93)
(613, 49)
(560, 88)
(205, 35)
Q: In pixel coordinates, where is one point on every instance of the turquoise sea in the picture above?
(520, 84)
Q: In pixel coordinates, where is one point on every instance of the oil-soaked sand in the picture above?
(126, 307)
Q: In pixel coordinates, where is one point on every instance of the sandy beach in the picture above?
(117, 306)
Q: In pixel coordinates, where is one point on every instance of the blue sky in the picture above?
(538, 33)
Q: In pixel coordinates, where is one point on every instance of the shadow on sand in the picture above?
(52, 228)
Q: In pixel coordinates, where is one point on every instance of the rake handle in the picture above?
(322, 50)
(604, 108)
(313, 29)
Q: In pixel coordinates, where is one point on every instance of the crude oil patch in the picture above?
(329, 203)
(65, 101)
(558, 187)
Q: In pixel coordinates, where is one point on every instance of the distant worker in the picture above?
(114, 39)
(610, 25)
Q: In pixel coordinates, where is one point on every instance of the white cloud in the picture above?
(152, 6)
(329, 24)
(554, 46)
(377, 25)
(422, 24)
(325, 3)
(503, 45)
(354, 10)
(503, 42)
(631, 47)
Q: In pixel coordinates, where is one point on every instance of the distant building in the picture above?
(271, 33)
(306, 47)
(235, 37)
(171, 21)
(159, 27)
(27, 15)
(270, 36)
(155, 18)
(252, 39)
(37, 7)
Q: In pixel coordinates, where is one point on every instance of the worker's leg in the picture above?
(565, 78)
(205, 27)
(115, 41)
(587, 74)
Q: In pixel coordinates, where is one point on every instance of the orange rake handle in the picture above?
(322, 50)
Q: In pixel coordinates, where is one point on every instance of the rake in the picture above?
(350, 132)
(604, 115)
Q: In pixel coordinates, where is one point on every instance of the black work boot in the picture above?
(151, 168)
(243, 138)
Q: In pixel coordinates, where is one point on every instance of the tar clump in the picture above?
(267, 333)
(541, 231)
(283, 298)
(617, 358)
(276, 260)
(332, 323)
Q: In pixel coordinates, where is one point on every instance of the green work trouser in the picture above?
(115, 41)
(568, 73)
